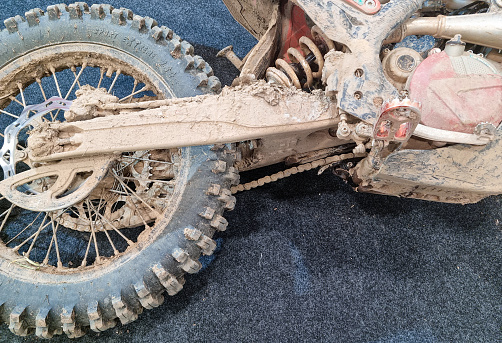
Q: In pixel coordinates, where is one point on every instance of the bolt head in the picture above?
(21, 155)
(371, 4)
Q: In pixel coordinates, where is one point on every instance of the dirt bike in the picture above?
(120, 141)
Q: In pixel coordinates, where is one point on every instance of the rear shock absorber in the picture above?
(291, 74)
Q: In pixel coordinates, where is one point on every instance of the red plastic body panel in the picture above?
(294, 27)
(452, 101)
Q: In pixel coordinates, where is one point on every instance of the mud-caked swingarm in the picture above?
(252, 111)
(289, 124)
(98, 129)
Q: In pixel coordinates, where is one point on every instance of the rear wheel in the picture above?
(146, 224)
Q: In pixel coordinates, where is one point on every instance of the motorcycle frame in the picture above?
(423, 174)
(291, 123)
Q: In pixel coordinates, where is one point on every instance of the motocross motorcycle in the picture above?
(120, 151)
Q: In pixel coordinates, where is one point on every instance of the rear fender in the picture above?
(253, 15)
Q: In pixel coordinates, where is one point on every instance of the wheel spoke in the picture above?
(13, 98)
(46, 259)
(21, 232)
(125, 166)
(7, 214)
(84, 260)
(133, 94)
(170, 182)
(117, 74)
(119, 192)
(115, 251)
(54, 231)
(127, 188)
(93, 232)
(139, 214)
(129, 242)
(129, 163)
(43, 94)
(75, 213)
(102, 72)
(36, 235)
(55, 239)
(128, 192)
(71, 88)
(76, 80)
(101, 205)
(133, 89)
(20, 86)
(53, 71)
(41, 88)
(148, 160)
(41, 227)
(9, 114)
(74, 71)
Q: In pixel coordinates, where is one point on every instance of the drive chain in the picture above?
(294, 170)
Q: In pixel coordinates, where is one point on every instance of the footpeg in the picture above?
(397, 121)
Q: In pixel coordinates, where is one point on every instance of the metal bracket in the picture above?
(64, 187)
(50, 187)
(361, 85)
(366, 6)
